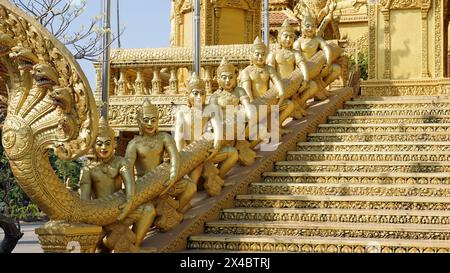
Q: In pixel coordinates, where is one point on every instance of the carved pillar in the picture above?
(207, 79)
(121, 84)
(217, 15)
(98, 82)
(372, 42)
(173, 81)
(156, 82)
(139, 83)
(249, 26)
(387, 43)
(424, 12)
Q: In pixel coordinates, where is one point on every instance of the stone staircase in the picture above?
(375, 178)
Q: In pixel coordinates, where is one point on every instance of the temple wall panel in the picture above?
(232, 27)
(353, 31)
(405, 29)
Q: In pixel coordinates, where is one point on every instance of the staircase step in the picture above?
(350, 189)
(358, 178)
(409, 104)
(369, 156)
(397, 111)
(403, 98)
(373, 146)
(380, 137)
(387, 119)
(318, 245)
(381, 128)
(338, 215)
(343, 202)
(362, 166)
(338, 230)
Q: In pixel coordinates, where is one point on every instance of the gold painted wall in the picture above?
(353, 31)
(188, 30)
(405, 28)
(232, 27)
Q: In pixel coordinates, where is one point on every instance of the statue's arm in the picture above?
(245, 101)
(326, 49)
(85, 184)
(300, 61)
(216, 123)
(131, 155)
(171, 148)
(179, 130)
(128, 179)
(246, 83)
(271, 60)
(277, 83)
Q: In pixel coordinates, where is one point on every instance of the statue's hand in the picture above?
(168, 185)
(212, 153)
(126, 209)
(325, 69)
(281, 99)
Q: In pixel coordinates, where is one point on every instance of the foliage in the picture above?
(363, 64)
(67, 171)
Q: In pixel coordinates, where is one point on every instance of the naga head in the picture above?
(196, 92)
(259, 53)
(24, 56)
(104, 143)
(226, 75)
(148, 119)
(62, 97)
(6, 43)
(44, 75)
(286, 35)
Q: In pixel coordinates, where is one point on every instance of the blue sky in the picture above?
(146, 21)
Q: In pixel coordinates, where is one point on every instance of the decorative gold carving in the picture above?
(373, 38)
(333, 217)
(387, 43)
(405, 87)
(63, 237)
(403, 4)
(325, 247)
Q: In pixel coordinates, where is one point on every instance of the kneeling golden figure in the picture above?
(105, 175)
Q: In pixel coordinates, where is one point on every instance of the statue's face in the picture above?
(309, 28)
(104, 147)
(148, 124)
(227, 81)
(259, 57)
(197, 97)
(287, 39)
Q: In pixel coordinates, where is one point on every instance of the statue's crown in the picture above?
(104, 130)
(195, 83)
(148, 108)
(258, 44)
(309, 16)
(286, 27)
(226, 66)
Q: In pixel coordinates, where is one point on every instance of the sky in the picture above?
(146, 22)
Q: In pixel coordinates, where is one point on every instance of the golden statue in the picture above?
(309, 44)
(106, 175)
(229, 94)
(257, 77)
(225, 156)
(285, 60)
(146, 151)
